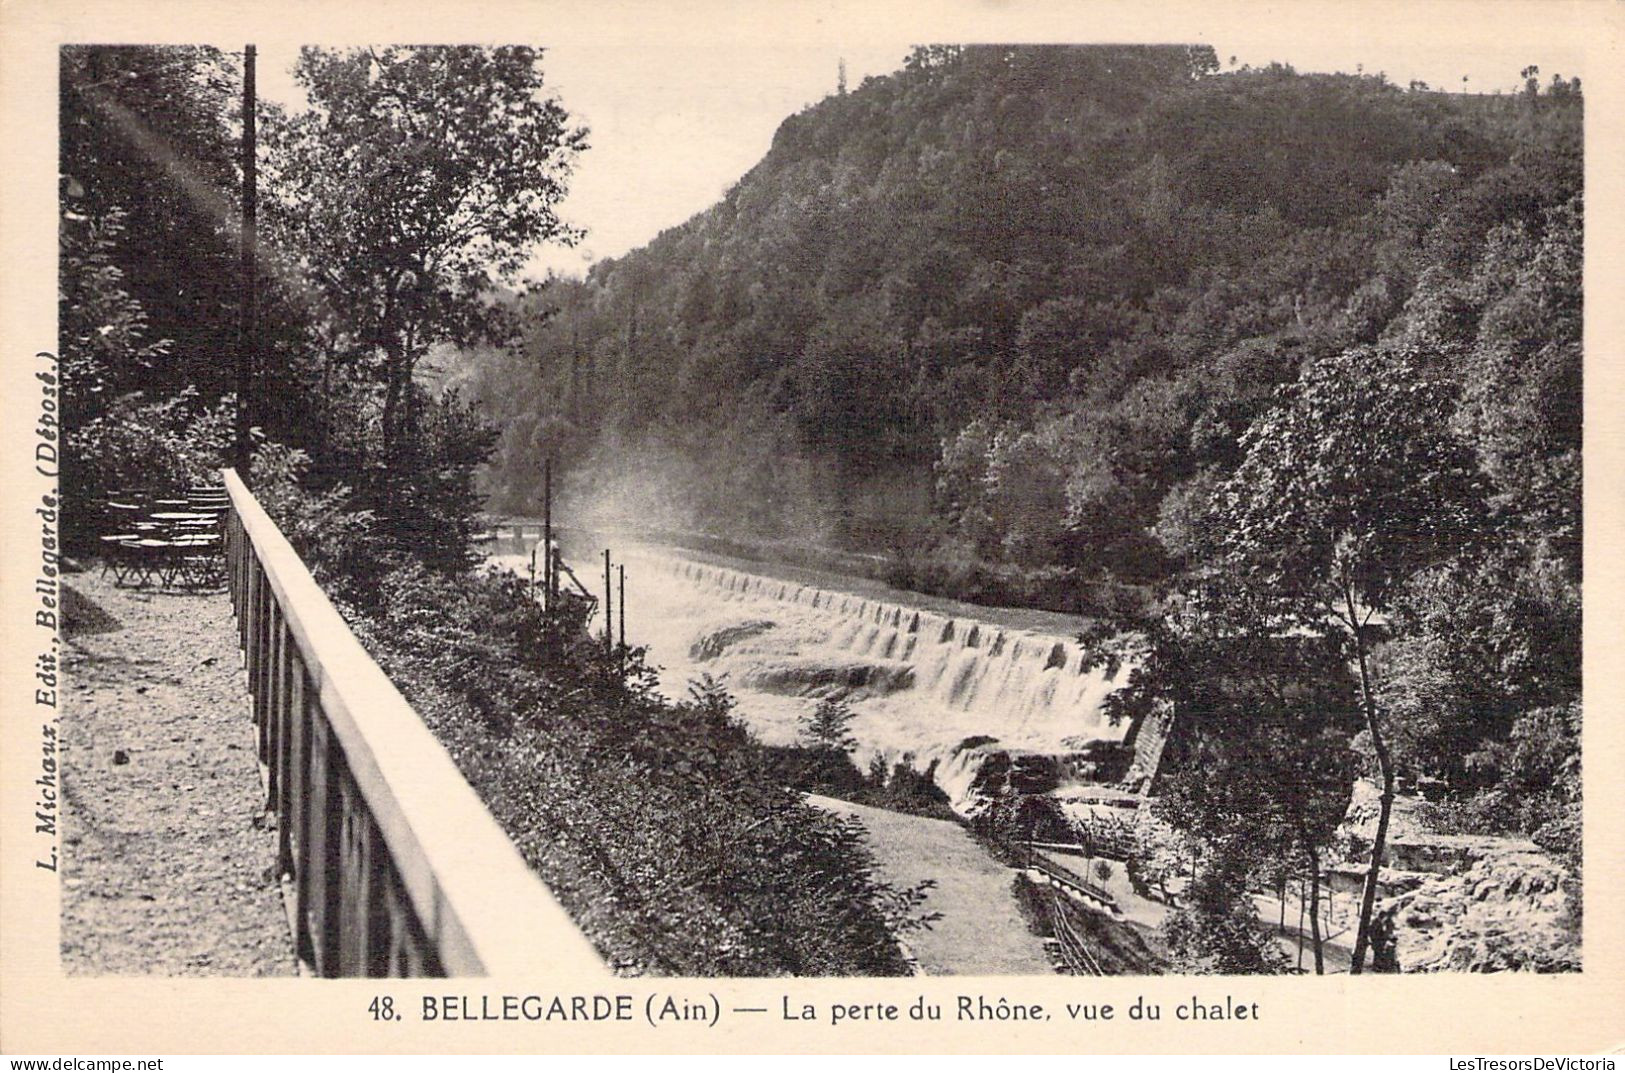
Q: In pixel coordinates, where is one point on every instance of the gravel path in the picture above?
(169, 862)
(981, 932)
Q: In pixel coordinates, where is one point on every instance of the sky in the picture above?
(671, 127)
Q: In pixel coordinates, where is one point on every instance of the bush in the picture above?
(665, 830)
(1217, 930)
(817, 771)
(826, 726)
(830, 771)
(139, 444)
(333, 538)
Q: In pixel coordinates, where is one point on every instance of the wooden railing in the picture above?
(393, 865)
(1067, 879)
(1074, 951)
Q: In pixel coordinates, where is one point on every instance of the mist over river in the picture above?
(924, 679)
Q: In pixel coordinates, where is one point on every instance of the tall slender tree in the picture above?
(1349, 489)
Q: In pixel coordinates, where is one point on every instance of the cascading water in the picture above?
(940, 692)
(1026, 688)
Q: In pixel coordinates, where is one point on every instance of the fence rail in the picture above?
(1067, 879)
(394, 865)
(1119, 847)
(1074, 951)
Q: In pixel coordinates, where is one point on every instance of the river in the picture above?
(930, 682)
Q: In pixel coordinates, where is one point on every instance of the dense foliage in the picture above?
(145, 266)
(1050, 324)
(410, 188)
(148, 153)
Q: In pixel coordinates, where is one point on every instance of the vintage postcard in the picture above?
(811, 528)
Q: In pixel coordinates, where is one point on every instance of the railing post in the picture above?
(290, 836)
(321, 860)
(275, 688)
(290, 687)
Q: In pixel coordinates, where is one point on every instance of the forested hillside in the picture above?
(1275, 352)
(1018, 305)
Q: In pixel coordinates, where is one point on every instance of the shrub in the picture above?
(162, 445)
(1217, 930)
(330, 535)
(827, 726)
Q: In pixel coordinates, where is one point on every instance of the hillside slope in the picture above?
(1009, 303)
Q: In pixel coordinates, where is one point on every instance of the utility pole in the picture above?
(547, 535)
(609, 610)
(622, 569)
(247, 329)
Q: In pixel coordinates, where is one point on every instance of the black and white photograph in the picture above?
(729, 530)
(966, 510)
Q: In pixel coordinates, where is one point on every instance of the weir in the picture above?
(1026, 688)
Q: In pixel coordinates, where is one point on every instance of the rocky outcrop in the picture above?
(1359, 824)
(1511, 909)
(1456, 903)
(717, 642)
(817, 676)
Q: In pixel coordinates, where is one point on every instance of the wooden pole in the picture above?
(622, 569)
(248, 238)
(1300, 925)
(548, 587)
(609, 609)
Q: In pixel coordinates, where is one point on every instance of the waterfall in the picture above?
(1017, 685)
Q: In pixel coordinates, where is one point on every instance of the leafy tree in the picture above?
(1352, 487)
(1258, 766)
(403, 200)
(416, 182)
